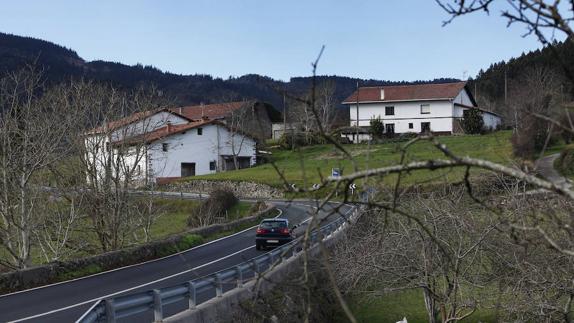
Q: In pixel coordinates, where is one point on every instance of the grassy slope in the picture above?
(173, 219)
(311, 163)
(409, 304)
(175, 213)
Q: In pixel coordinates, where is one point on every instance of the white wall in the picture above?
(440, 116)
(491, 121)
(189, 147)
(463, 98)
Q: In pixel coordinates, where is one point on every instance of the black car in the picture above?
(272, 232)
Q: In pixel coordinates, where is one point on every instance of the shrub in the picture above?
(472, 123)
(565, 163)
(188, 241)
(531, 138)
(216, 206)
(300, 139)
(257, 207)
(377, 127)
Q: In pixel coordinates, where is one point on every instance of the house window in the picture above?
(410, 125)
(187, 169)
(164, 146)
(212, 165)
(199, 131)
(425, 127)
(425, 108)
(389, 111)
(389, 128)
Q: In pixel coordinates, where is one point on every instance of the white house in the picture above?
(415, 108)
(160, 145)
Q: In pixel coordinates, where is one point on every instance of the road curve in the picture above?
(67, 301)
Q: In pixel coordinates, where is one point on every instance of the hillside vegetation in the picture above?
(308, 164)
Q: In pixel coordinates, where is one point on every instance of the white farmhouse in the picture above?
(161, 145)
(437, 108)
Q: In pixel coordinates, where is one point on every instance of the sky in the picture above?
(379, 39)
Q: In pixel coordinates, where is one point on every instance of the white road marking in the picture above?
(131, 288)
(145, 284)
(134, 265)
(139, 286)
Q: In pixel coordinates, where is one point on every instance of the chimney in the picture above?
(382, 94)
(201, 104)
(168, 127)
(180, 110)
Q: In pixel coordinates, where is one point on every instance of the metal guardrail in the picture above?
(110, 310)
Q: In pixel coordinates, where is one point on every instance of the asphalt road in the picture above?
(66, 302)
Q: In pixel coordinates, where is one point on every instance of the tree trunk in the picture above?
(430, 306)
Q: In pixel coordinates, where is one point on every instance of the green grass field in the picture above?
(409, 304)
(175, 213)
(309, 164)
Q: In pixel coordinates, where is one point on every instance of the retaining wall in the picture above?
(52, 272)
(240, 189)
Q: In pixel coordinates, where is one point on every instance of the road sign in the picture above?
(353, 187)
(335, 172)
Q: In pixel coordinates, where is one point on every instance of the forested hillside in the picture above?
(61, 63)
(489, 84)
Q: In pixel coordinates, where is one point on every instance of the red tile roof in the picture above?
(212, 111)
(407, 92)
(164, 131)
(131, 119)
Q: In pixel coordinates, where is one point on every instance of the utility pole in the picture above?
(357, 120)
(284, 117)
(475, 90)
(505, 84)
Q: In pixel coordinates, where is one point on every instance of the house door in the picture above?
(390, 129)
(187, 169)
(425, 127)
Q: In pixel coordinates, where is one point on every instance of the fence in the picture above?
(215, 285)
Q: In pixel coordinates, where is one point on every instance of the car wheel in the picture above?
(257, 246)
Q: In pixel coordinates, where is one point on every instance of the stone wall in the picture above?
(248, 190)
(54, 272)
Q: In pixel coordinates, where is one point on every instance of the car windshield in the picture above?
(273, 225)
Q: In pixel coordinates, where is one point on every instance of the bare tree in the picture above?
(32, 133)
(111, 155)
(237, 124)
(436, 249)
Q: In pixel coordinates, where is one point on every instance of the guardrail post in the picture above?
(255, 267)
(270, 255)
(191, 295)
(110, 311)
(218, 286)
(239, 276)
(157, 310)
(284, 252)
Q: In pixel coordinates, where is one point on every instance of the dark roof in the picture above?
(394, 93)
(212, 111)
